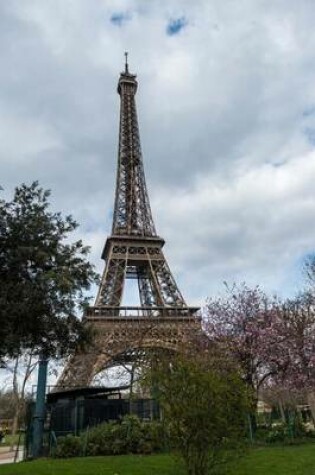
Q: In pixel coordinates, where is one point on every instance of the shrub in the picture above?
(204, 402)
(156, 434)
(293, 432)
(100, 439)
(68, 446)
(277, 434)
(130, 435)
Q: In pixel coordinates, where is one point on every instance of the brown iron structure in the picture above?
(134, 250)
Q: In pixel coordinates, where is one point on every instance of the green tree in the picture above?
(43, 276)
(7, 405)
(204, 403)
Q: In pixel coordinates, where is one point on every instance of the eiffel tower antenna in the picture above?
(132, 251)
(126, 63)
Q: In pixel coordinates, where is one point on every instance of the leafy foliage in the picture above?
(43, 277)
(69, 446)
(111, 438)
(7, 405)
(291, 432)
(204, 403)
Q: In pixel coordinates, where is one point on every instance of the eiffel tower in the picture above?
(132, 251)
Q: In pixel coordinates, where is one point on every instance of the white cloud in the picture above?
(225, 110)
(23, 138)
(253, 226)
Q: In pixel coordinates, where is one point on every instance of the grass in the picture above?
(294, 460)
(287, 460)
(117, 465)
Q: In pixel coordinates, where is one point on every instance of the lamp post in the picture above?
(39, 413)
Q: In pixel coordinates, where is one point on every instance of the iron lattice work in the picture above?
(134, 250)
(141, 259)
(132, 213)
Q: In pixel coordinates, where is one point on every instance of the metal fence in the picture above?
(75, 416)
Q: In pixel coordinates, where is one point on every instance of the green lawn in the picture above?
(296, 460)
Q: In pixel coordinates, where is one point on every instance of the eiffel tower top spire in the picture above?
(132, 213)
(126, 63)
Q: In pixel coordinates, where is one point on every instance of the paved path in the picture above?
(7, 455)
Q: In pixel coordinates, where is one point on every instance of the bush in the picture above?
(130, 435)
(100, 439)
(68, 446)
(279, 433)
(156, 434)
(293, 432)
(204, 403)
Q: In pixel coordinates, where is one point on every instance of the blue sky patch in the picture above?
(279, 163)
(119, 18)
(308, 112)
(310, 135)
(175, 25)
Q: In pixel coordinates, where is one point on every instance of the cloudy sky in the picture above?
(226, 105)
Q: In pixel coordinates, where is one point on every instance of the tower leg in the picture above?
(79, 371)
